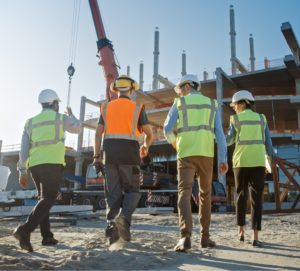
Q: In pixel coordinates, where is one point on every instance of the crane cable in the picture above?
(73, 45)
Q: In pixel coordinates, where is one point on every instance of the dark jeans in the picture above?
(249, 179)
(47, 178)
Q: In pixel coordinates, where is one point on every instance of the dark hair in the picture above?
(247, 103)
(194, 85)
(49, 105)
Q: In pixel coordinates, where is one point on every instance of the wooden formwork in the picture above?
(281, 188)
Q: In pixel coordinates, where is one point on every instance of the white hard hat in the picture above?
(187, 79)
(242, 95)
(48, 96)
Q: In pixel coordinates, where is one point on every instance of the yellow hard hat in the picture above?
(124, 83)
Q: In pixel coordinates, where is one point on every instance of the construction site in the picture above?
(79, 218)
(275, 86)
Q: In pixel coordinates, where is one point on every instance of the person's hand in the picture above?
(223, 168)
(143, 151)
(97, 163)
(69, 111)
(23, 181)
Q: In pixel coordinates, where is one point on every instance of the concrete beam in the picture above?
(292, 66)
(291, 40)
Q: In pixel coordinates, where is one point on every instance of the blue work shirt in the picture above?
(171, 121)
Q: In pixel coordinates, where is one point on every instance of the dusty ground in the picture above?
(83, 246)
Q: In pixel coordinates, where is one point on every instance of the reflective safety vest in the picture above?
(250, 139)
(47, 137)
(121, 119)
(195, 125)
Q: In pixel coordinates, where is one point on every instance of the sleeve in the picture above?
(24, 152)
(170, 123)
(143, 119)
(220, 138)
(269, 146)
(231, 134)
(72, 124)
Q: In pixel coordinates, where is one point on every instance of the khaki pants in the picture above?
(187, 168)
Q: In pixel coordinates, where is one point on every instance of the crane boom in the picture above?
(105, 50)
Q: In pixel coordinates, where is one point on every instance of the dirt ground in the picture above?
(83, 246)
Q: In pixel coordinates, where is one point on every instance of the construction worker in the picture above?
(198, 122)
(250, 133)
(121, 122)
(43, 154)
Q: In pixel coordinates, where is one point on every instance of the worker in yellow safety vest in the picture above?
(197, 121)
(121, 123)
(250, 133)
(43, 154)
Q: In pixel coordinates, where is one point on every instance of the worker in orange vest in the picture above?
(121, 123)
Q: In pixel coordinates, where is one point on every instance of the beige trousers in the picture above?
(187, 168)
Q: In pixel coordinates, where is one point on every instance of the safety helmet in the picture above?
(242, 95)
(124, 83)
(48, 96)
(188, 78)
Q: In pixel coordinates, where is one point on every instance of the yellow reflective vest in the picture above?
(250, 139)
(46, 135)
(195, 125)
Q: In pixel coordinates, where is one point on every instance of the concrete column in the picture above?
(0, 152)
(156, 55)
(219, 94)
(183, 60)
(128, 71)
(252, 57)
(297, 82)
(232, 34)
(205, 75)
(79, 159)
(141, 82)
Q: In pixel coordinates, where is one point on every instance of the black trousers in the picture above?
(47, 178)
(252, 180)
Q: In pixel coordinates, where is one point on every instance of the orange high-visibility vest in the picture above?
(121, 119)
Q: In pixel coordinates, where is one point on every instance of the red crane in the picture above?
(105, 50)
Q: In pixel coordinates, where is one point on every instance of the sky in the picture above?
(36, 35)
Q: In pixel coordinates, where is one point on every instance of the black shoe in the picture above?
(24, 238)
(51, 241)
(112, 233)
(183, 244)
(123, 228)
(256, 243)
(242, 238)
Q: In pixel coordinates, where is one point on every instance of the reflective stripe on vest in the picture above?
(238, 124)
(184, 108)
(250, 139)
(195, 125)
(133, 135)
(57, 123)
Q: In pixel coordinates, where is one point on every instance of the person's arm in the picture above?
(269, 146)
(230, 136)
(98, 141)
(148, 138)
(170, 124)
(221, 145)
(71, 123)
(23, 159)
(145, 127)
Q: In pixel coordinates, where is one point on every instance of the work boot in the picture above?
(183, 244)
(111, 232)
(24, 238)
(123, 228)
(207, 242)
(50, 241)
